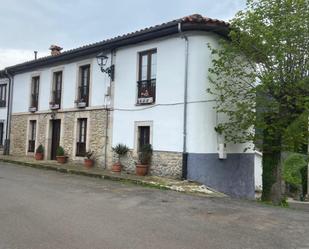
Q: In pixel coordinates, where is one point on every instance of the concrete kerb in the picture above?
(112, 177)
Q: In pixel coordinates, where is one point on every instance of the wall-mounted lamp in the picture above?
(102, 59)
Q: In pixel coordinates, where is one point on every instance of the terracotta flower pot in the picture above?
(88, 163)
(116, 167)
(61, 159)
(141, 170)
(39, 156)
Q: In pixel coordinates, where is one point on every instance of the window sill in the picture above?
(142, 104)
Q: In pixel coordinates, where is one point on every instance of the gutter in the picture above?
(6, 150)
(185, 105)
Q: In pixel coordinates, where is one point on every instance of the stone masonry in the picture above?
(96, 135)
(163, 163)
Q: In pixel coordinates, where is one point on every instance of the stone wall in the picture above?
(96, 135)
(163, 163)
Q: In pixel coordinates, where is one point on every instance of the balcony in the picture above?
(146, 92)
(83, 98)
(55, 104)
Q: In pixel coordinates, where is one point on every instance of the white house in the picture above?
(155, 93)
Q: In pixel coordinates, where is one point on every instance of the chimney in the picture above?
(55, 50)
(35, 55)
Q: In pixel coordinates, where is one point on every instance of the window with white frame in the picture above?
(56, 90)
(83, 86)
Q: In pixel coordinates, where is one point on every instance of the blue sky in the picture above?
(36, 24)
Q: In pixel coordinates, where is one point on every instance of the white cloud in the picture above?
(10, 57)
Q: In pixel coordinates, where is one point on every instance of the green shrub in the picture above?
(120, 150)
(40, 149)
(304, 176)
(60, 151)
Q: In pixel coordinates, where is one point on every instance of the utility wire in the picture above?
(157, 105)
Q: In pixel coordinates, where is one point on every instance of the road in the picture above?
(43, 209)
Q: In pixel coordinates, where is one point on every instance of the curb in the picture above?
(118, 178)
(84, 173)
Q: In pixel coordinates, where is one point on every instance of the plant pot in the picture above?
(88, 163)
(39, 156)
(141, 170)
(116, 167)
(61, 159)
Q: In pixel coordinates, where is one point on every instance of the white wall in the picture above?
(168, 120)
(258, 171)
(22, 86)
(3, 110)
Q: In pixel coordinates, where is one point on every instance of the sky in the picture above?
(29, 25)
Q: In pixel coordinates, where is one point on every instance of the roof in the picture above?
(194, 22)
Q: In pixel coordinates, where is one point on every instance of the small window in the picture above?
(35, 85)
(143, 136)
(56, 92)
(32, 135)
(146, 85)
(83, 87)
(3, 95)
(81, 137)
(1, 134)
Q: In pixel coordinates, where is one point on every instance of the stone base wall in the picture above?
(163, 163)
(96, 134)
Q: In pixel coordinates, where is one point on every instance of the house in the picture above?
(151, 90)
(4, 97)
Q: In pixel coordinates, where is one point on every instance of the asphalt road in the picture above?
(42, 209)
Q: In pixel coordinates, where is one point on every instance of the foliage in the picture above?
(260, 80)
(304, 176)
(145, 154)
(60, 151)
(40, 149)
(292, 169)
(89, 154)
(120, 150)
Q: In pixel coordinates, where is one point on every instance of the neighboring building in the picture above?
(157, 96)
(4, 88)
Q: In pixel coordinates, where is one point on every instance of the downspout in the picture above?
(107, 117)
(185, 105)
(6, 150)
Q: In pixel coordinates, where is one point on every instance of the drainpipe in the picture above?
(9, 113)
(185, 106)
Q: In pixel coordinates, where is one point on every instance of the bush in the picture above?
(60, 151)
(304, 176)
(145, 154)
(40, 149)
(120, 150)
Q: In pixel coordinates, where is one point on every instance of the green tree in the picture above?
(260, 79)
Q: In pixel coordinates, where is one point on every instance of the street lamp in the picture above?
(102, 59)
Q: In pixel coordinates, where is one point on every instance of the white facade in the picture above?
(167, 113)
(22, 86)
(4, 82)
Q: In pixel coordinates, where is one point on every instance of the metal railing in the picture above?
(146, 90)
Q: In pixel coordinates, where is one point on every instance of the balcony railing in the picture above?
(146, 91)
(2, 103)
(34, 100)
(83, 92)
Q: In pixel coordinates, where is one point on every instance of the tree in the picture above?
(260, 79)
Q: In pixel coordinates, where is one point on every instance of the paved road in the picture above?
(41, 210)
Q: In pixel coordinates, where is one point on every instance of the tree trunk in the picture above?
(272, 178)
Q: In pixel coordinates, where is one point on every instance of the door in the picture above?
(55, 139)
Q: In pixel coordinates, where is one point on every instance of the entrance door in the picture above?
(55, 139)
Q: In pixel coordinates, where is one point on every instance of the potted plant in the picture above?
(89, 161)
(39, 152)
(120, 150)
(60, 155)
(144, 160)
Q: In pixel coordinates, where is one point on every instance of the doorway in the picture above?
(55, 139)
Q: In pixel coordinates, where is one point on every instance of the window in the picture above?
(3, 95)
(56, 92)
(81, 137)
(32, 135)
(146, 85)
(35, 84)
(143, 136)
(84, 81)
(1, 133)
